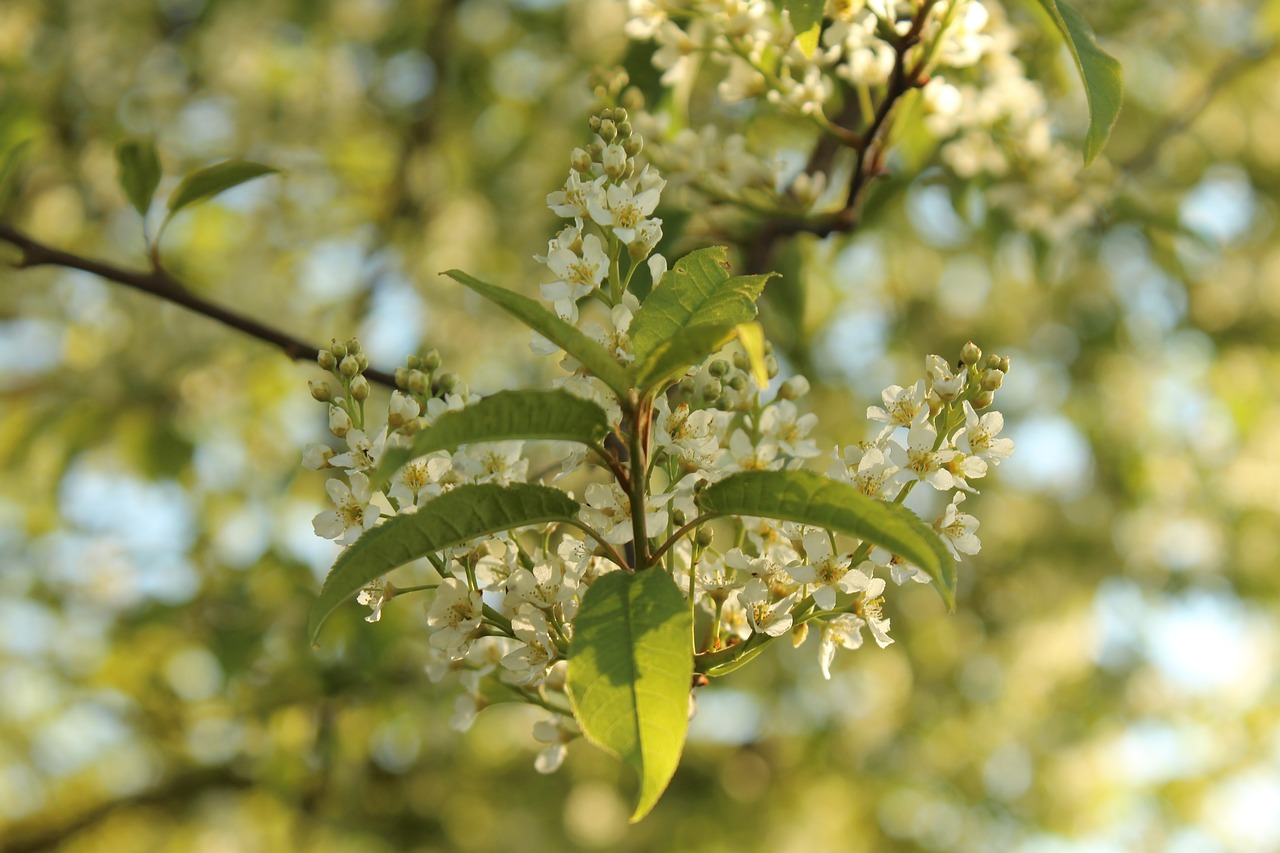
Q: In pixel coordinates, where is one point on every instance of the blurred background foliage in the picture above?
(1109, 681)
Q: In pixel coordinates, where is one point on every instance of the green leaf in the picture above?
(594, 357)
(806, 19)
(691, 314)
(672, 358)
(505, 416)
(630, 672)
(466, 513)
(1103, 80)
(139, 172)
(811, 498)
(751, 337)
(206, 183)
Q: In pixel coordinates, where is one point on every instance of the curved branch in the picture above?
(160, 284)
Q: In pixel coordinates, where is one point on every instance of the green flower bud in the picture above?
(402, 378)
(624, 129)
(704, 537)
(419, 383)
(320, 390)
(718, 368)
(595, 150)
(712, 390)
(339, 350)
(606, 114)
(353, 346)
(970, 354)
(620, 114)
(593, 122)
(448, 381)
(677, 518)
(608, 131)
(737, 382)
(992, 362)
(794, 388)
(326, 360)
(983, 400)
(771, 366)
(431, 361)
(349, 366)
(686, 386)
(413, 362)
(740, 361)
(633, 145)
(363, 361)
(580, 161)
(360, 388)
(1004, 364)
(992, 380)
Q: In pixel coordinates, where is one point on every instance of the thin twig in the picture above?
(162, 285)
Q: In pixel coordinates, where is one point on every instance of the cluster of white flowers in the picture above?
(503, 609)
(976, 100)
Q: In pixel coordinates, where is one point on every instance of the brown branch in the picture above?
(162, 285)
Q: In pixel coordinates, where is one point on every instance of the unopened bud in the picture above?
(339, 350)
(970, 353)
(402, 377)
(718, 368)
(983, 400)
(608, 130)
(992, 380)
(320, 390)
(633, 145)
(580, 161)
(799, 634)
(704, 537)
(712, 390)
(794, 388)
(686, 386)
(349, 366)
(326, 360)
(353, 346)
(363, 361)
(677, 518)
(593, 122)
(992, 362)
(625, 129)
(449, 381)
(595, 150)
(431, 361)
(620, 115)
(771, 366)
(419, 383)
(739, 361)
(413, 362)
(360, 389)
(737, 381)
(1004, 364)
(339, 421)
(606, 114)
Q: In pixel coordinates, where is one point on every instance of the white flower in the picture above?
(616, 339)
(413, 485)
(577, 276)
(626, 210)
(498, 462)
(316, 456)
(353, 515)
(901, 405)
(875, 470)
(363, 452)
(944, 385)
(553, 732)
(959, 529)
(783, 424)
(869, 608)
(923, 461)
(608, 511)
(402, 411)
(375, 595)
(571, 202)
(773, 619)
(744, 455)
(454, 617)
(527, 665)
(828, 571)
(980, 433)
(844, 631)
(690, 435)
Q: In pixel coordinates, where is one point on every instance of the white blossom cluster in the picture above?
(988, 118)
(502, 612)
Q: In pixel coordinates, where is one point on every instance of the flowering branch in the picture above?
(162, 285)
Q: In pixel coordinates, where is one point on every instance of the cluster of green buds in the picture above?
(616, 149)
(346, 363)
(985, 375)
(727, 384)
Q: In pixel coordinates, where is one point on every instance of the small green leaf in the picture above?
(594, 357)
(811, 498)
(806, 20)
(1099, 70)
(206, 183)
(505, 416)
(630, 672)
(466, 513)
(139, 172)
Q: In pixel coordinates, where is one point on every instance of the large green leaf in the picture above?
(697, 291)
(208, 182)
(455, 517)
(594, 357)
(139, 172)
(1103, 80)
(505, 416)
(630, 672)
(811, 498)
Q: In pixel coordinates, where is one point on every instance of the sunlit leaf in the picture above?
(811, 498)
(806, 19)
(505, 416)
(466, 513)
(751, 337)
(1099, 70)
(139, 172)
(211, 181)
(630, 672)
(594, 357)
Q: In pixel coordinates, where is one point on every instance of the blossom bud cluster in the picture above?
(977, 101)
